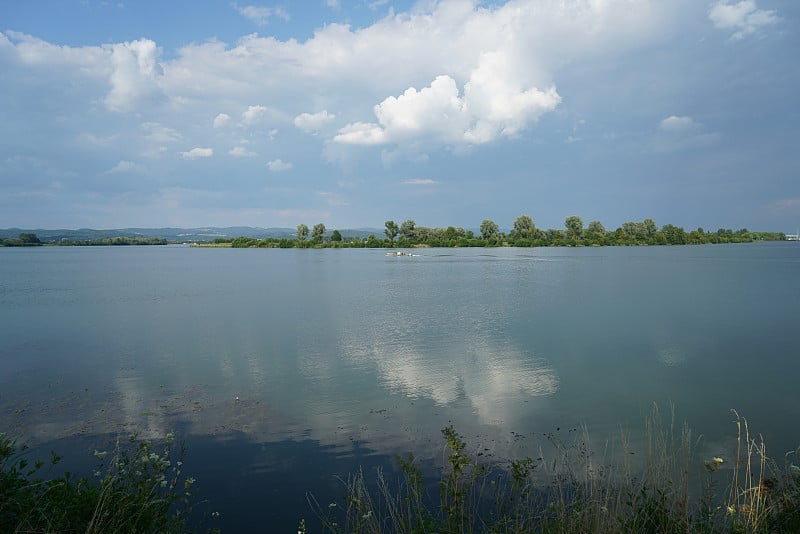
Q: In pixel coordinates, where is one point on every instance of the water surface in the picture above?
(342, 358)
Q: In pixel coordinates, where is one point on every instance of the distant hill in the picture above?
(178, 235)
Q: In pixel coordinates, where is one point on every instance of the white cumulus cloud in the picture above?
(313, 122)
(221, 120)
(494, 104)
(241, 152)
(277, 165)
(257, 114)
(134, 75)
(678, 124)
(198, 152)
(743, 17)
(260, 15)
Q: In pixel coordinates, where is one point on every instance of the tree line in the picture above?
(31, 240)
(524, 233)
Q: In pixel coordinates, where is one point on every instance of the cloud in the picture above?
(277, 165)
(682, 132)
(261, 15)
(309, 122)
(676, 124)
(419, 181)
(159, 133)
(124, 166)
(257, 114)
(743, 17)
(198, 153)
(241, 152)
(494, 104)
(135, 70)
(221, 120)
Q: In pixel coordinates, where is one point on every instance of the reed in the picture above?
(577, 488)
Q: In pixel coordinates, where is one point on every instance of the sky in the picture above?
(353, 112)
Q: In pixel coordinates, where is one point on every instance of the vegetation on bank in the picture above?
(575, 491)
(137, 487)
(659, 486)
(523, 234)
(24, 240)
(31, 240)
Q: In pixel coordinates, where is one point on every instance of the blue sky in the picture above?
(349, 113)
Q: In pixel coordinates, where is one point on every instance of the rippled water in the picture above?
(342, 358)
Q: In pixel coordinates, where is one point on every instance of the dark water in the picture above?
(343, 358)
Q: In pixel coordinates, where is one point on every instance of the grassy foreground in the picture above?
(137, 487)
(575, 492)
(140, 487)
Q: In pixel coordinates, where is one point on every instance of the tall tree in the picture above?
(336, 235)
(302, 232)
(391, 230)
(408, 230)
(318, 232)
(596, 230)
(489, 229)
(650, 228)
(523, 228)
(29, 239)
(574, 226)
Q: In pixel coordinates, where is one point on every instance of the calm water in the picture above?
(343, 358)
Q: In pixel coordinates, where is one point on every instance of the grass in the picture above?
(137, 487)
(576, 490)
(663, 488)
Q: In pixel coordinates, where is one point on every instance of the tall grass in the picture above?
(575, 488)
(137, 487)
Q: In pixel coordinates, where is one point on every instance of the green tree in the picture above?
(302, 232)
(336, 236)
(596, 228)
(675, 234)
(391, 230)
(635, 230)
(523, 228)
(408, 230)
(318, 232)
(574, 225)
(650, 228)
(489, 230)
(29, 239)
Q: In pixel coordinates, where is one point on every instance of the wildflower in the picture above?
(169, 438)
(163, 483)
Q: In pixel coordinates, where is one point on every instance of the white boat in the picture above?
(399, 253)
